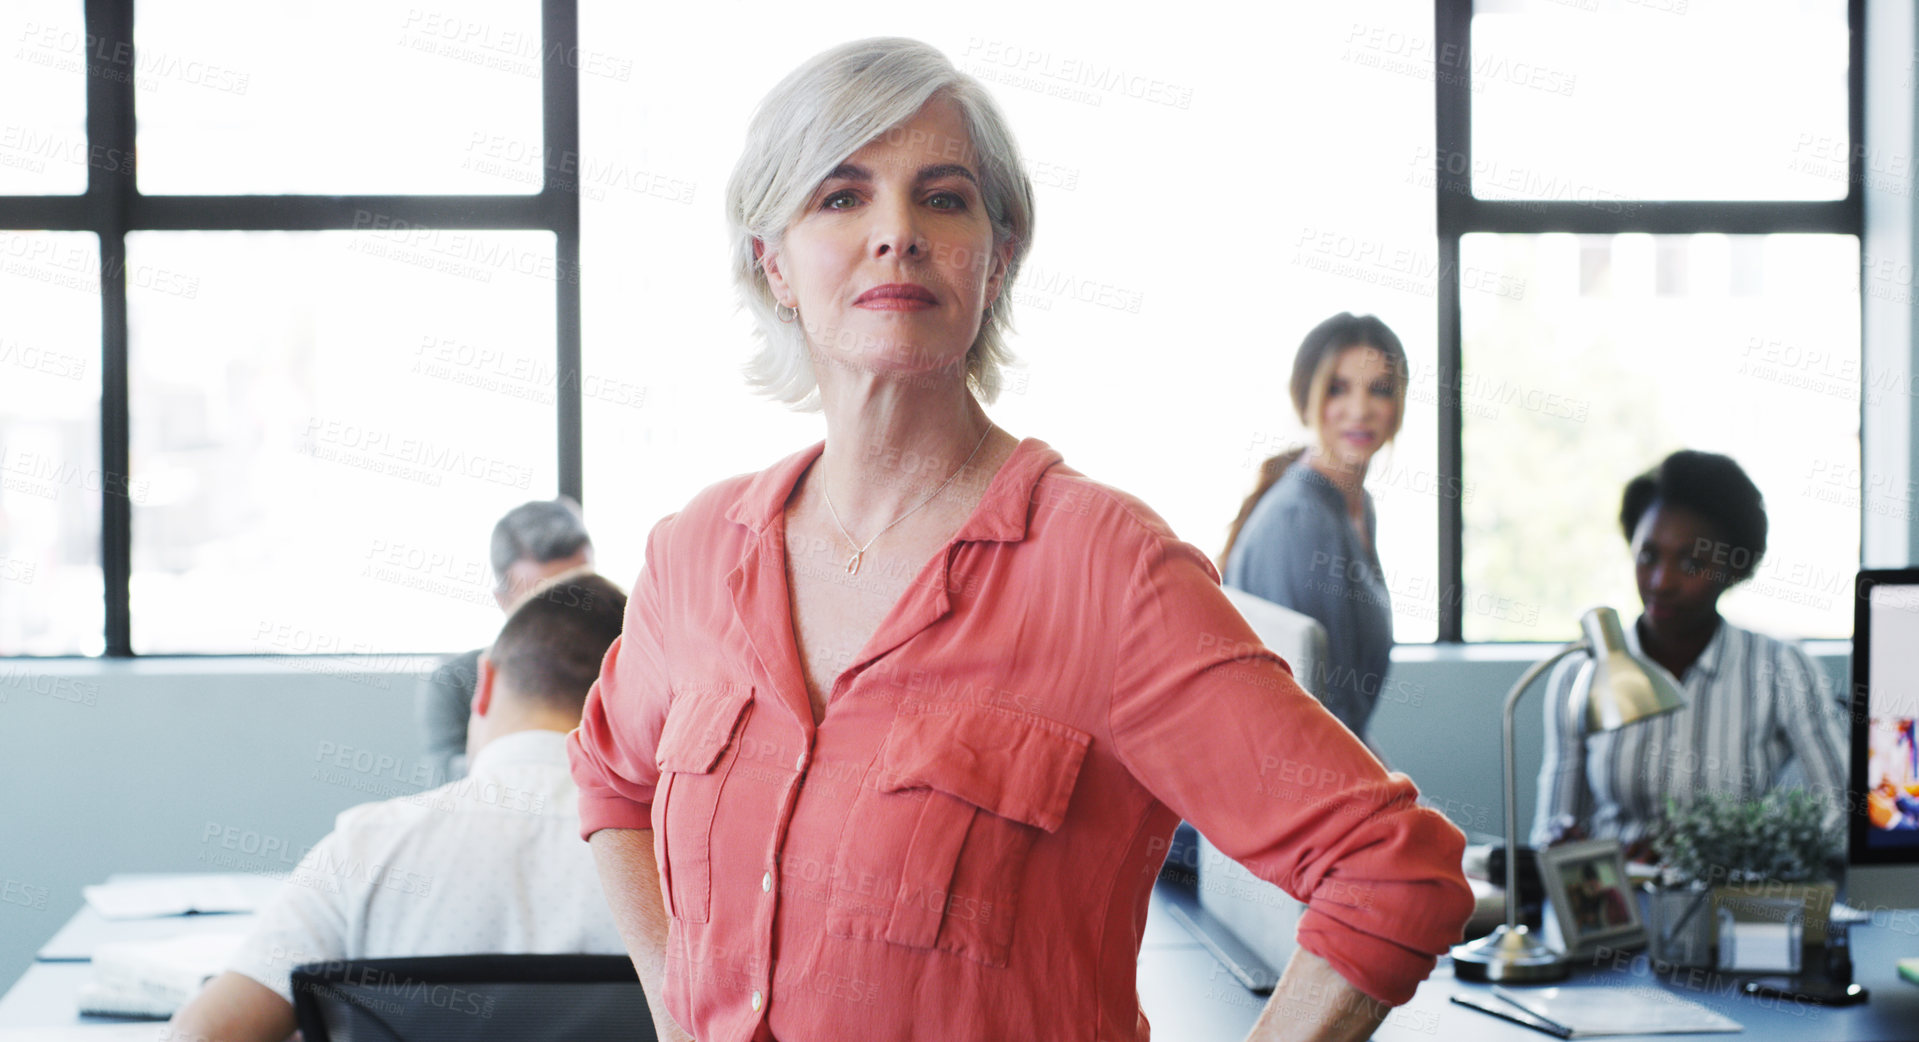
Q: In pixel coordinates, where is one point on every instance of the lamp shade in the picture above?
(1625, 687)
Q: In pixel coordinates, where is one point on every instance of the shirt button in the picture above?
(766, 883)
(756, 1002)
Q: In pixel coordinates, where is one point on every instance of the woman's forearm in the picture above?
(631, 878)
(1313, 1003)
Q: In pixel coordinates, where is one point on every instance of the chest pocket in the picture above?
(935, 847)
(694, 755)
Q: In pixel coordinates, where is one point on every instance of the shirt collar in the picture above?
(1706, 666)
(1000, 516)
(536, 746)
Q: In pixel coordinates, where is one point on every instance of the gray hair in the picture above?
(541, 531)
(824, 111)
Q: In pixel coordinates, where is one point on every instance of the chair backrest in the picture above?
(1262, 916)
(1299, 639)
(473, 998)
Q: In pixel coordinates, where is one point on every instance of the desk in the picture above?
(43, 997)
(1189, 998)
(88, 929)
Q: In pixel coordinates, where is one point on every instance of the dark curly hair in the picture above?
(1715, 488)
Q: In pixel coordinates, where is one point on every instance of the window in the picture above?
(250, 405)
(1197, 214)
(297, 358)
(1672, 250)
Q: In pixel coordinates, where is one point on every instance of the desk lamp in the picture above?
(1624, 689)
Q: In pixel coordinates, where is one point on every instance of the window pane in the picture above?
(50, 480)
(327, 425)
(43, 99)
(377, 98)
(1626, 348)
(1156, 320)
(1596, 101)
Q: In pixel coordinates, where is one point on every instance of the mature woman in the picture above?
(898, 727)
(1757, 712)
(1306, 537)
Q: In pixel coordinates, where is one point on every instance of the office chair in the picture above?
(474, 998)
(1244, 921)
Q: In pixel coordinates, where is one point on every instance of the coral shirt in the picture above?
(964, 847)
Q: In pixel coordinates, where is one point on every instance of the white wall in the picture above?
(182, 765)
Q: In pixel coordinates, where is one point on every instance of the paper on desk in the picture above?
(1618, 1011)
(1848, 915)
(174, 895)
(154, 978)
(85, 1033)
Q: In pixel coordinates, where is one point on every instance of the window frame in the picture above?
(1460, 213)
(113, 206)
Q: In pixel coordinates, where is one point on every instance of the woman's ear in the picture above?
(769, 259)
(996, 279)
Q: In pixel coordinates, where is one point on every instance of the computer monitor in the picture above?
(1884, 826)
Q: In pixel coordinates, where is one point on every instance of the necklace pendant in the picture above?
(853, 562)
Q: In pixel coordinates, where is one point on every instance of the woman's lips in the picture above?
(896, 296)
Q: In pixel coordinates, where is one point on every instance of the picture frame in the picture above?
(1592, 901)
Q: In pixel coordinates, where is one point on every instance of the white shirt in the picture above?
(490, 863)
(1757, 717)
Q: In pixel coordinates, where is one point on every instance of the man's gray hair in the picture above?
(823, 112)
(541, 531)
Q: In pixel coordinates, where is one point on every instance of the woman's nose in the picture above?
(896, 231)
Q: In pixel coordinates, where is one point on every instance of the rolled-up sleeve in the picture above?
(1215, 726)
(612, 751)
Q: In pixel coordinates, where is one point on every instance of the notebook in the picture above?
(154, 978)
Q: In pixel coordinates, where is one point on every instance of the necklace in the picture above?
(859, 552)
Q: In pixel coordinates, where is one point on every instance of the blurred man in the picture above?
(533, 542)
(491, 863)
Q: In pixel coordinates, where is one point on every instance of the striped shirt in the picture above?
(1757, 716)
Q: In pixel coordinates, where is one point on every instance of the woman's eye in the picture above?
(946, 201)
(840, 200)
(1382, 389)
(1691, 567)
(1335, 388)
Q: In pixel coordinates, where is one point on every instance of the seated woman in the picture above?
(1754, 705)
(1306, 537)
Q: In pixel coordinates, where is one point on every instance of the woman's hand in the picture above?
(631, 878)
(1313, 1003)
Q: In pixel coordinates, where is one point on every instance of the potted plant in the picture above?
(1721, 850)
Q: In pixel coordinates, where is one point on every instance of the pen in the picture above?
(1516, 1014)
(1504, 993)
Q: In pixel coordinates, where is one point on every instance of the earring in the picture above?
(789, 316)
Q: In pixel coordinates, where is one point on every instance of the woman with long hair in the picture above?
(1306, 537)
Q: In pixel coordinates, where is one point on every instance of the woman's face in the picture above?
(1358, 412)
(1673, 552)
(892, 261)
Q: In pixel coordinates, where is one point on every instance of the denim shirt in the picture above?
(1299, 549)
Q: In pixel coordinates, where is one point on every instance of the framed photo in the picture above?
(1590, 897)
